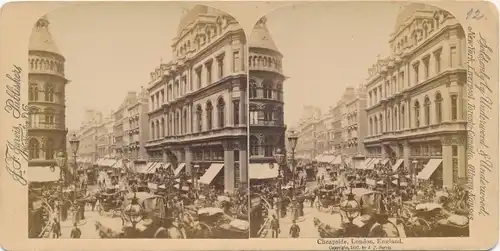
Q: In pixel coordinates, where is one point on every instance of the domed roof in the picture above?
(260, 37)
(192, 14)
(41, 39)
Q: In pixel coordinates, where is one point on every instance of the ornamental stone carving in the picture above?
(446, 140)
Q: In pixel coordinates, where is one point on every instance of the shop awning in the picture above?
(260, 171)
(179, 168)
(141, 167)
(397, 164)
(337, 160)
(118, 164)
(43, 174)
(372, 163)
(318, 158)
(429, 169)
(365, 164)
(152, 167)
(210, 174)
(327, 158)
(384, 161)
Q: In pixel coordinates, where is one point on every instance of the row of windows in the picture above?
(36, 151)
(421, 72)
(266, 91)
(45, 64)
(48, 92)
(264, 147)
(178, 125)
(397, 119)
(202, 77)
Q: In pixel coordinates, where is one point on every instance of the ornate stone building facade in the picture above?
(353, 121)
(416, 110)
(306, 130)
(197, 113)
(266, 117)
(46, 99)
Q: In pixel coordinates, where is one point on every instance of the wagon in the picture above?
(213, 223)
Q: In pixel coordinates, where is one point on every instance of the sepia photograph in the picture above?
(137, 123)
(357, 120)
(274, 125)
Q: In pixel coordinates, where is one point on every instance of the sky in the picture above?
(110, 49)
(327, 47)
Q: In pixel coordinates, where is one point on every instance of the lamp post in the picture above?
(292, 140)
(350, 207)
(75, 143)
(413, 171)
(279, 157)
(61, 162)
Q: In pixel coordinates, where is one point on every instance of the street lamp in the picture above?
(413, 171)
(60, 162)
(292, 140)
(75, 144)
(350, 206)
(134, 212)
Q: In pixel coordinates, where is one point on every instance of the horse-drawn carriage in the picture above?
(369, 220)
(328, 197)
(156, 220)
(109, 201)
(213, 223)
(433, 220)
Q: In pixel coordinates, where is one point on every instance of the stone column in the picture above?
(462, 156)
(243, 164)
(243, 102)
(228, 166)
(447, 163)
(188, 159)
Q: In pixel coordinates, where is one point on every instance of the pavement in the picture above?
(87, 226)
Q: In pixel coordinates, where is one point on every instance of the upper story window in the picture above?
(220, 66)
(236, 61)
(221, 106)
(437, 57)
(198, 78)
(439, 110)
(49, 92)
(454, 107)
(426, 67)
(253, 89)
(209, 110)
(453, 56)
(416, 72)
(33, 92)
(417, 114)
(176, 89)
(208, 66)
(267, 89)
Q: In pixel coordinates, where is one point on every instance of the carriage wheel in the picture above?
(161, 233)
(205, 231)
(421, 222)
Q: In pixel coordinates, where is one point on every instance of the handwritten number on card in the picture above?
(475, 14)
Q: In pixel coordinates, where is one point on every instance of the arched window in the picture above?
(49, 149)
(395, 119)
(184, 121)
(438, 107)
(157, 129)
(371, 127)
(267, 89)
(254, 145)
(153, 130)
(49, 92)
(381, 118)
(199, 118)
(253, 89)
(33, 92)
(221, 106)
(427, 108)
(417, 113)
(34, 149)
(268, 113)
(162, 128)
(209, 109)
(375, 126)
(268, 146)
(402, 125)
(388, 121)
(49, 118)
(177, 123)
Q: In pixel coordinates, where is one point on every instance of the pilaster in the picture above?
(447, 163)
(188, 159)
(228, 166)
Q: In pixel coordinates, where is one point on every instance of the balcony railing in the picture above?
(43, 125)
(455, 126)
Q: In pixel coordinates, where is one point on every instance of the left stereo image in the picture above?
(137, 123)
